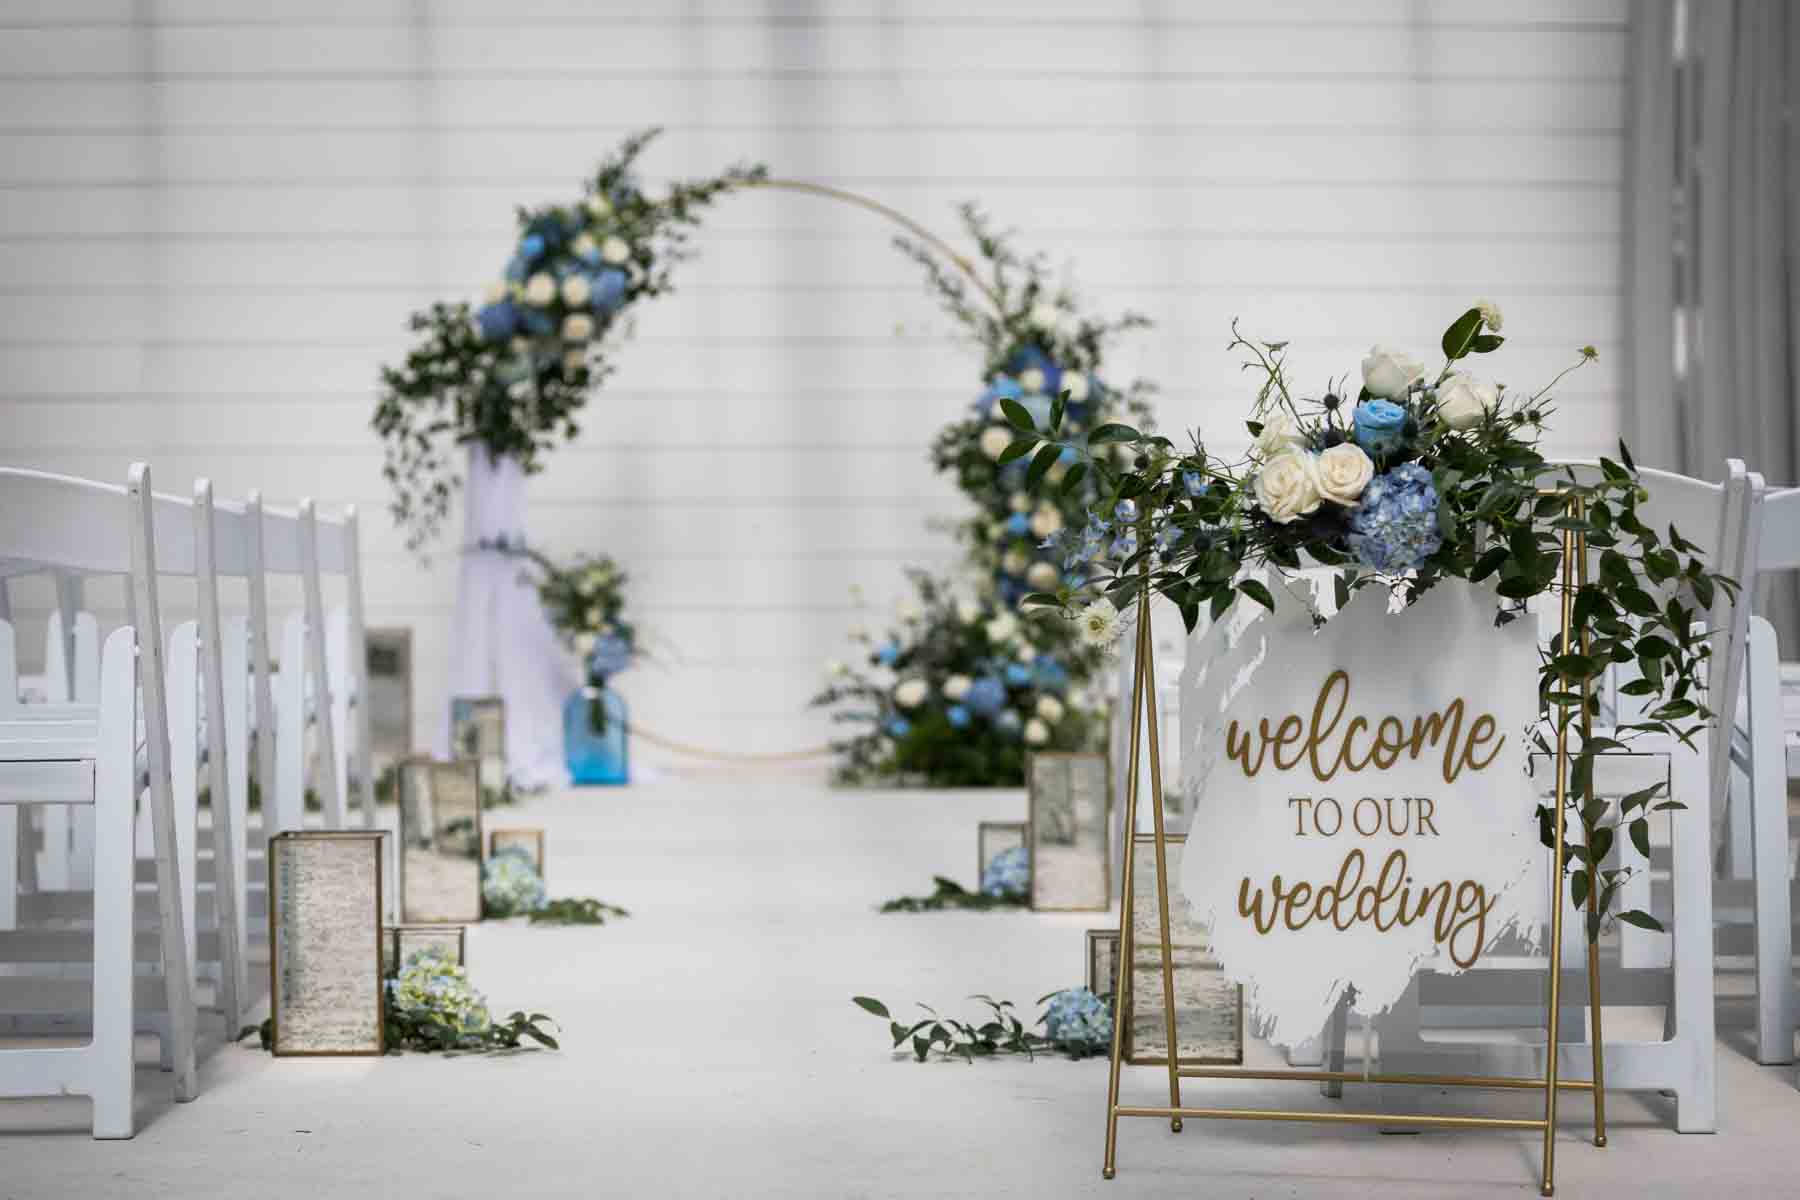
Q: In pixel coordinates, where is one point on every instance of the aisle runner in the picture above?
(1363, 810)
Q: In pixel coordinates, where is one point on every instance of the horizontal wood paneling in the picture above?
(215, 217)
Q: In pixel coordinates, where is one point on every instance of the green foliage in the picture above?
(1203, 539)
(998, 1032)
(576, 911)
(948, 894)
(520, 397)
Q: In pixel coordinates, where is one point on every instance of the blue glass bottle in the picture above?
(596, 728)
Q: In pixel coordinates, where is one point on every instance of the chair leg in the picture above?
(112, 1077)
(1769, 827)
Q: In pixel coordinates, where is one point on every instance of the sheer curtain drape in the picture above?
(1711, 228)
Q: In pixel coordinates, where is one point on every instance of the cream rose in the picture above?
(1046, 521)
(1014, 561)
(911, 693)
(1050, 708)
(540, 290)
(614, 250)
(1288, 486)
(577, 327)
(1388, 373)
(956, 687)
(576, 291)
(1043, 315)
(995, 439)
(1043, 577)
(1280, 432)
(1036, 732)
(968, 612)
(1002, 628)
(1464, 400)
(599, 206)
(1076, 384)
(1344, 471)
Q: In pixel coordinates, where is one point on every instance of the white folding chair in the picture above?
(65, 751)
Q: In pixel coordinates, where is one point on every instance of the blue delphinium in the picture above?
(1395, 527)
(1078, 1020)
(1194, 483)
(1380, 425)
(1126, 511)
(1008, 874)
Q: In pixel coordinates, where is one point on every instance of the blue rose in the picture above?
(958, 716)
(1018, 674)
(1018, 524)
(531, 248)
(1380, 425)
(887, 654)
(497, 322)
(987, 696)
(609, 290)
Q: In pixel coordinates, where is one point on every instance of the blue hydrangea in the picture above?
(958, 716)
(609, 290)
(497, 322)
(510, 884)
(610, 655)
(1008, 874)
(1395, 526)
(1018, 674)
(1079, 1019)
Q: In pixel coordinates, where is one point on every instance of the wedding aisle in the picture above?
(711, 1049)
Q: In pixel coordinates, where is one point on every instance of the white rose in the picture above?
(1076, 384)
(577, 327)
(1014, 561)
(1046, 521)
(968, 612)
(1388, 373)
(599, 206)
(1490, 315)
(1032, 379)
(1036, 732)
(1344, 471)
(540, 290)
(995, 439)
(496, 292)
(518, 345)
(1279, 432)
(1288, 486)
(911, 693)
(1044, 315)
(1464, 400)
(1001, 628)
(614, 250)
(1042, 577)
(1025, 654)
(584, 643)
(1019, 502)
(956, 687)
(1050, 708)
(584, 246)
(576, 291)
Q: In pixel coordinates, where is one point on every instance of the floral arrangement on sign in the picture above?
(585, 603)
(1416, 478)
(956, 693)
(1076, 1023)
(514, 374)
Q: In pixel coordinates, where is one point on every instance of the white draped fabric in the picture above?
(502, 644)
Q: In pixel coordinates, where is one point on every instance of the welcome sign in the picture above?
(1365, 812)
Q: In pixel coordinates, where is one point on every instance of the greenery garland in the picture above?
(513, 375)
(1410, 481)
(1076, 1023)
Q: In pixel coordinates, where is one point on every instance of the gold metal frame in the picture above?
(434, 765)
(1105, 761)
(1095, 984)
(1144, 729)
(375, 838)
(391, 936)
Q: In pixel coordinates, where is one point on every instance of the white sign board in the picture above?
(1364, 811)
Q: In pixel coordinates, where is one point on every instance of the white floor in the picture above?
(711, 1049)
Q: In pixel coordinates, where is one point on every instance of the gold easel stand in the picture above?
(1143, 705)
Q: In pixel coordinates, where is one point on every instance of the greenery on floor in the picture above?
(1076, 1023)
(949, 894)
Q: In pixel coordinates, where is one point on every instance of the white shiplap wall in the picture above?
(215, 216)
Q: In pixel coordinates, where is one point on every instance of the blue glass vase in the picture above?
(596, 728)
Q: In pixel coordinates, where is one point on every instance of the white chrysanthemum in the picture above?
(1036, 732)
(1490, 315)
(577, 327)
(614, 250)
(1043, 577)
(1046, 521)
(540, 290)
(1002, 627)
(1044, 315)
(1076, 384)
(1050, 708)
(911, 693)
(1031, 379)
(994, 440)
(1099, 624)
(496, 292)
(576, 291)
(956, 687)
